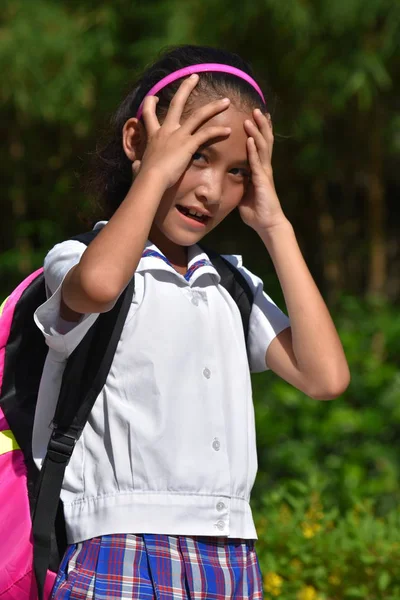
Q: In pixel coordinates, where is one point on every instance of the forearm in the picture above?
(110, 261)
(316, 345)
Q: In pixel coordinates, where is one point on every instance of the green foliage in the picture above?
(350, 444)
(46, 47)
(332, 65)
(308, 551)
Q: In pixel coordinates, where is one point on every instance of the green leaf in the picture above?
(355, 592)
(383, 580)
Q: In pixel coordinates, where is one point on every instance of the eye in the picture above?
(198, 156)
(240, 172)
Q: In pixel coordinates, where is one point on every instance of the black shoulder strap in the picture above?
(234, 282)
(86, 237)
(84, 376)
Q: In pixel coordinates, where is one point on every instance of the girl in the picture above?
(156, 496)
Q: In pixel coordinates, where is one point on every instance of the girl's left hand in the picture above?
(260, 207)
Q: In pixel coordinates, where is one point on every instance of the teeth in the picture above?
(194, 213)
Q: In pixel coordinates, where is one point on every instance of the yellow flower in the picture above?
(273, 583)
(310, 529)
(308, 593)
(311, 525)
(314, 515)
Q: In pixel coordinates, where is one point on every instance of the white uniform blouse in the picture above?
(170, 444)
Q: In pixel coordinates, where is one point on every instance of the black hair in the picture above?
(111, 176)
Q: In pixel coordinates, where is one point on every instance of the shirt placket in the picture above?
(217, 452)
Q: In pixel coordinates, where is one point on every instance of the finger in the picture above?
(150, 119)
(204, 113)
(264, 123)
(179, 100)
(209, 133)
(254, 158)
(263, 145)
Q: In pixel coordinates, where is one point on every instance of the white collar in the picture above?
(198, 263)
(153, 259)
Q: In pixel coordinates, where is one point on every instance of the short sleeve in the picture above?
(267, 320)
(60, 335)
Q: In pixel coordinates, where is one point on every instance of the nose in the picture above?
(210, 190)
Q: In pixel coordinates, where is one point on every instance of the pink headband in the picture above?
(202, 68)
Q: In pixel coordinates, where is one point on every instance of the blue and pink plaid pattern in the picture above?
(159, 567)
(189, 272)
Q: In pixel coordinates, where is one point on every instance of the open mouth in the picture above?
(191, 214)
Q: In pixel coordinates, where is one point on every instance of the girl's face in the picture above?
(213, 185)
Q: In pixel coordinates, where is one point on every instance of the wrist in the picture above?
(150, 179)
(280, 227)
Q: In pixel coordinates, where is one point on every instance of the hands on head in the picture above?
(171, 144)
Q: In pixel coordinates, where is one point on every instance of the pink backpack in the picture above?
(17, 580)
(32, 526)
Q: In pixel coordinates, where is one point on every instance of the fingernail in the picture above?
(194, 76)
(225, 100)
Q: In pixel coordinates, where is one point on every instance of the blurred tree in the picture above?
(47, 108)
(331, 65)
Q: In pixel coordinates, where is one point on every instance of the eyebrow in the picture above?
(208, 146)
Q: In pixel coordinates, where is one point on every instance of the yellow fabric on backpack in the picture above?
(3, 305)
(7, 441)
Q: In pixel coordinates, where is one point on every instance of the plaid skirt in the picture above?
(159, 567)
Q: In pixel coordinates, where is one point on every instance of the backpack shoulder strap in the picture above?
(234, 282)
(84, 376)
(86, 237)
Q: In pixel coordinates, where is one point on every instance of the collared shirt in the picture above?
(170, 444)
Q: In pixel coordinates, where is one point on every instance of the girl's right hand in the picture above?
(170, 146)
